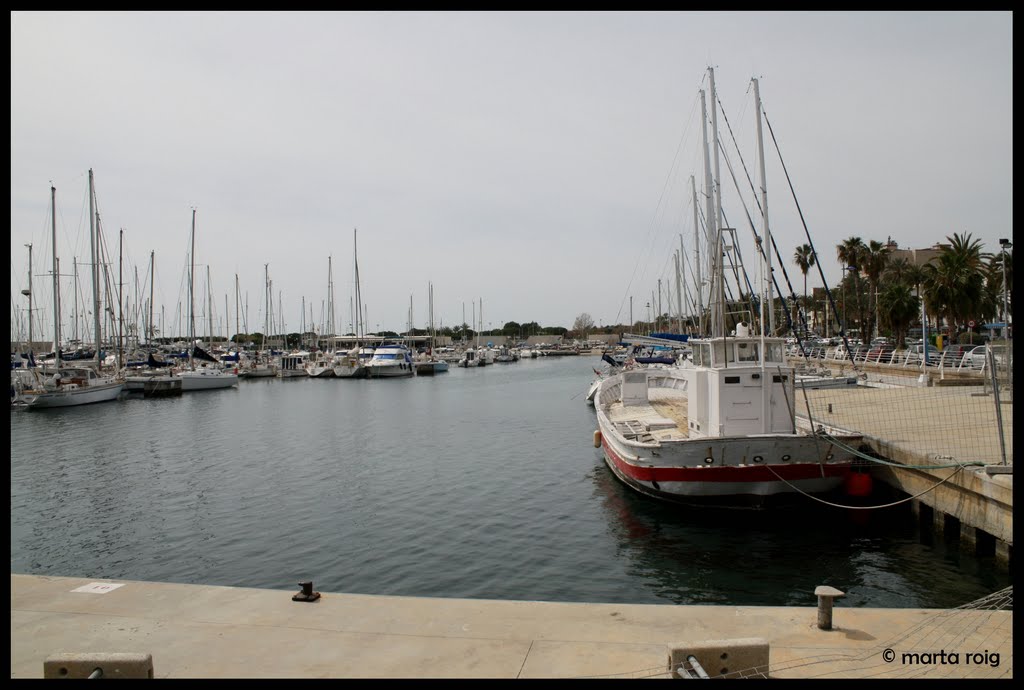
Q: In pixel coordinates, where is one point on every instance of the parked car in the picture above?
(952, 354)
(976, 358)
(880, 353)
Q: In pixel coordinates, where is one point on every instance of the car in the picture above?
(880, 353)
(977, 357)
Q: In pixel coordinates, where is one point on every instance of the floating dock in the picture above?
(197, 631)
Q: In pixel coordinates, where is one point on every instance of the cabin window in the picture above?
(746, 352)
(698, 358)
(780, 379)
(723, 353)
(774, 353)
(732, 379)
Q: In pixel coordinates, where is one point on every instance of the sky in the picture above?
(538, 162)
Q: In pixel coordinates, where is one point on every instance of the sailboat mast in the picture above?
(237, 296)
(120, 300)
(192, 291)
(266, 312)
(709, 217)
(75, 291)
(209, 309)
(29, 298)
(97, 311)
(718, 324)
(56, 284)
(152, 279)
(764, 215)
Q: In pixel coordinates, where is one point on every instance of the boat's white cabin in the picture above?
(737, 386)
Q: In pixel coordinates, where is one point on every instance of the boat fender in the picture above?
(597, 438)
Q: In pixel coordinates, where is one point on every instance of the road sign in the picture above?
(970, 324)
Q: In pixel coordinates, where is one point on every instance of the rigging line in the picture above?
(757, 239)
(885, 505)
(817, 261)
(880, 461)
(668, 178)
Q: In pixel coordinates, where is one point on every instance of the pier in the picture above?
(920, 428)
(198, 631)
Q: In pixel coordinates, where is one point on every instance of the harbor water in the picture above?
(477, 483)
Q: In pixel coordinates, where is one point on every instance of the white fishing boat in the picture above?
(68, 386)
(390, 360)
(470, 359)
(722, 426)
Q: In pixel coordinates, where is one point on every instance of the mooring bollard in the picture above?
(825, 596)
(307, 593)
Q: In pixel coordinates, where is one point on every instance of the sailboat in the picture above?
(721, 428)
(431, 364)
(209, 374)
(351, 364)
(75, 385)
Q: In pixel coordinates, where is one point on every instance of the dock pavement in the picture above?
(200, 631)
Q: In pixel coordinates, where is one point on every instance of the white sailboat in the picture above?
(209, 374)
(352, 364)
(78, 385)
(431, 364)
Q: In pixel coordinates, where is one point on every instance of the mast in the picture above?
(237, 296)
(764, 216)
(75, 291)
(709, 217)
(152, 279)
(360, 322)
(684, 305)
(93, 229)
(718, 279)
(29, 299)
(330, 297)
(120, 301)
(192, 291)
(209, 310)
(56, 284)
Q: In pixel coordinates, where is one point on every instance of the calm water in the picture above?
(478, 483)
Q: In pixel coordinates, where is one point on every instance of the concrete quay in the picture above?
(198, 631)
(922, 427)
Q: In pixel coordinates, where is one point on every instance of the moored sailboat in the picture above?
(78, 385)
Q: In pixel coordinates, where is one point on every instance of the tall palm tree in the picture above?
(955, 282)
(874, 258)
(804, 259)
(850, 253)
(898, 308)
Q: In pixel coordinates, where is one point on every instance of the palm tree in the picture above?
(955, 282)
(804, 259)
(874, 259)
(898, 308)
(850, 254)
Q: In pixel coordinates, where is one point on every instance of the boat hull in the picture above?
(740, 469)
(75, 396)
(389, 371)
(201, 381)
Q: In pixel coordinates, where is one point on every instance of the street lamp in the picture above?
(845, 269)
(1005, 244)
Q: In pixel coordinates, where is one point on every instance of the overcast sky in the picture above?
(539, 161)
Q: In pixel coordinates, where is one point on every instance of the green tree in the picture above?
(873, 258)
(850, 253)
(954, 283)
(804, 259)
(898, 307)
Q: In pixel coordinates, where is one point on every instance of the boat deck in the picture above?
(664, 418)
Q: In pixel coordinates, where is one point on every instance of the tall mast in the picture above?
(192, 291)
(764, 216)
(152, 279)
(709, 217)
(97, 309)
(30, 298)
(237, 296)
(684, 305)
(56, 284)
(75, 292)
(209, 309)
(330, 297)
(718, 279)
(266, 312)
(360, 322)
(120, 300)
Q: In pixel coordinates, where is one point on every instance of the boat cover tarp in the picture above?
(200, 353)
